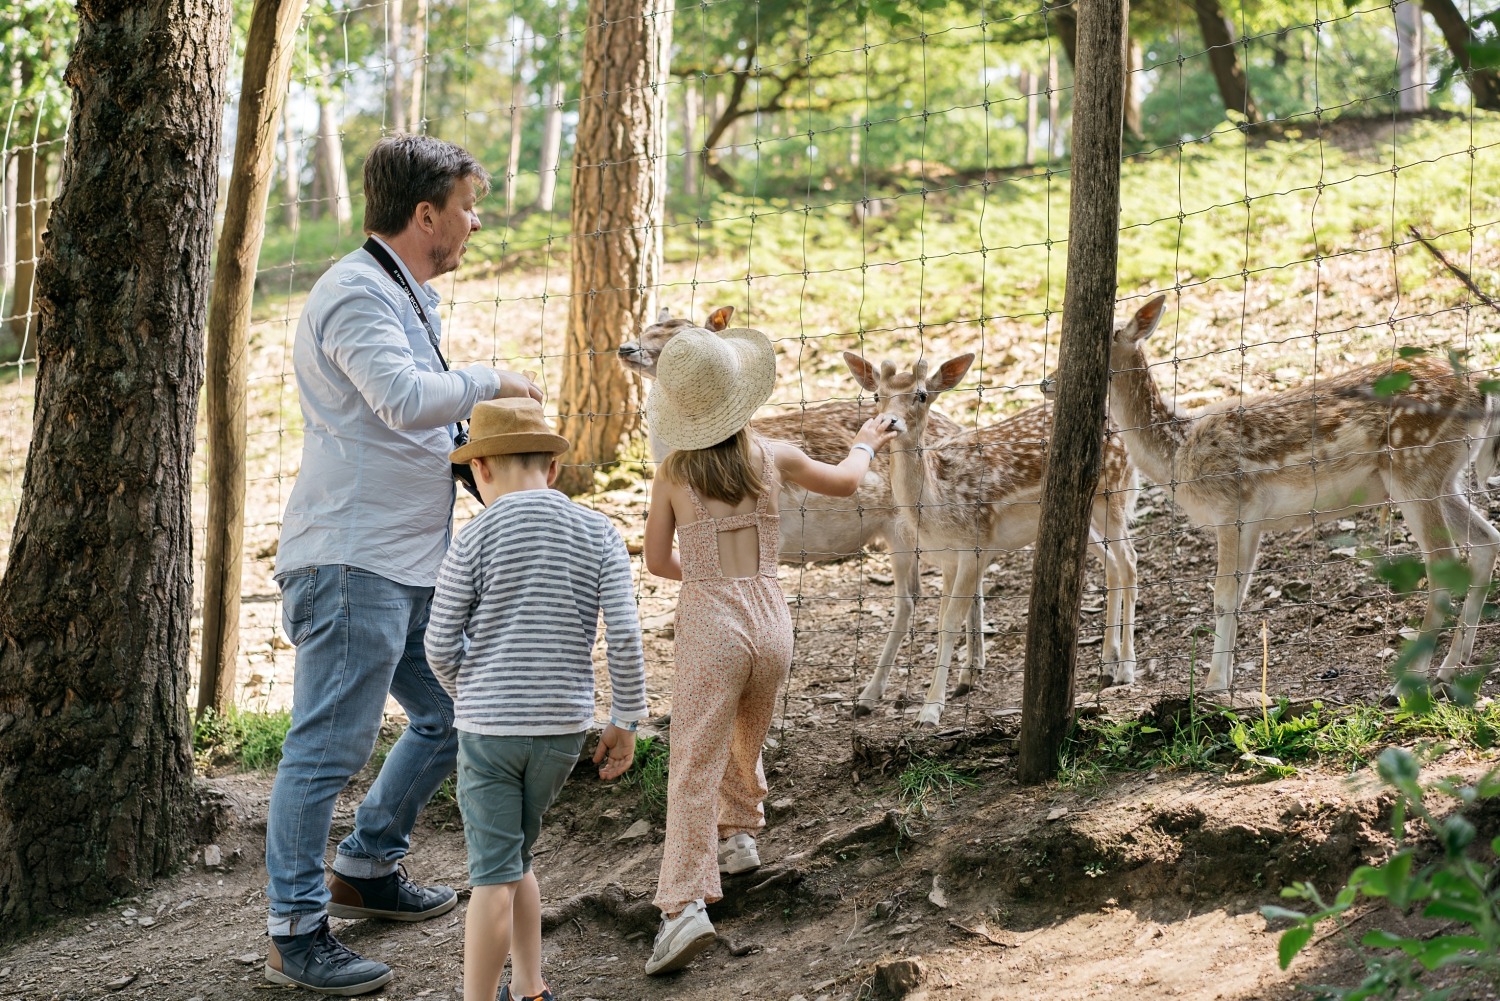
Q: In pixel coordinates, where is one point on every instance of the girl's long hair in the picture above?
(724, 471)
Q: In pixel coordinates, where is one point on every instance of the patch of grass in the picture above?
(252, 740)
(926, 778)
(648, 776)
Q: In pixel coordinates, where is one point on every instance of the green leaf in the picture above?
(1403, 573)
(1457, 834)
(1408, 353)
(1272, 913)
(1397, 766)
(1292, 941)
(1451, 575)
(1453, 911)
(1439, 950)
(1382, 939)
(1392, 383)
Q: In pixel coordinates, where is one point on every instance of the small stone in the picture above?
(121, 983)
(1056, 813)
(899, 978)
(639, 829)
(129, 912)
(937, 897)
(146, 921)
(248, 958)
(4, 972)
(902, 929)
(1347, 525)
(212, 856)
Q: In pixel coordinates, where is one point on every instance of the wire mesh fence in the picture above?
(897, 186)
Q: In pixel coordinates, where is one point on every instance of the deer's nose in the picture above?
(626, 350)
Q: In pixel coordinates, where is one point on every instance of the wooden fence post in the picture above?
(268, 69)
(1077, 448)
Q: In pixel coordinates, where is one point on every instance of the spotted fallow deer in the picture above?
(1313, 453)
(814, 527)
(974, 495)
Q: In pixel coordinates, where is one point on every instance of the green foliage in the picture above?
(251, 739)
(926, 778)
(648, 776)
(1457, 888)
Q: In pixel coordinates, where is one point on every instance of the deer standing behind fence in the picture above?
(974, 495)
(1311, 454)
(814, 527)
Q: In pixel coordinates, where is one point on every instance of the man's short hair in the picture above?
(536, 462)
(402, 171)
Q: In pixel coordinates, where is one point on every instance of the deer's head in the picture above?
(640, 355)
(1125, 344)
(905, 396)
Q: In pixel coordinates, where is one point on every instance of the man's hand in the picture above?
(515, 384)
(619, 745)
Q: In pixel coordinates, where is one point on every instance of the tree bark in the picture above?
(619, 170)
(1054, 110)
(95, 604)
(395, 42)
(1028, 91)
(552, 115)
(1484, 84)
(1411, 57)
(1219, 40)
(418, 66)
(291, 182)
(1132, 88)
(330, 165)
(1075, 454)
(268, 71)
(690, 110)
(513, 159)
(32, 206)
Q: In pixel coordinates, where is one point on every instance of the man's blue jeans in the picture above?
(358, 637)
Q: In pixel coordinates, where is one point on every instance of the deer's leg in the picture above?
(1238, 545)
(1118, 557)
(958, 597)
(908, 578)
(968, 678)
(1425, 521)
(1484, 547)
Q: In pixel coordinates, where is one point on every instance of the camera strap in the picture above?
(382, 257)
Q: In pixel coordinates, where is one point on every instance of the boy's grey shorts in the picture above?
(505, 784)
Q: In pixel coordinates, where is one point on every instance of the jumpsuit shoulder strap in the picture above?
(768, 477)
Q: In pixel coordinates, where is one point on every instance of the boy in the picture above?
(511, 638)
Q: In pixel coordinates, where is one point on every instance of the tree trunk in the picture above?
(727, 113)
(513, 160)
(1028, 90)
(552, 114)
(95, 605)
(1483, 83)
(1054, 110)
(619, 172)
(1411, 57)
(1218, 38)
(268, 70)
(418, 67)
(32, 206)
(330, 165)
(396, 72)
(291, 183)
(1076, 452)
(691, 108)
(1132, 88)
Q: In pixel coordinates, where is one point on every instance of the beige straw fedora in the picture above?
(709, 385)
(507, 427)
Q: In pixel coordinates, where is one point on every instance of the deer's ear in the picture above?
(1146, 319)
(719, 318)
(863, 371)
(950, 373)
(664, 315)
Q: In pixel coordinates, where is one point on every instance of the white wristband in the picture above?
(623, 724)
(867, 448)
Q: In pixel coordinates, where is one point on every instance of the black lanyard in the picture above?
(461, 471)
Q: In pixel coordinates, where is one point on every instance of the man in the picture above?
(365, 531)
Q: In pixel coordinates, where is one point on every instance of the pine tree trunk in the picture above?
(1028, 90)
(1411, 57)
(1483, 83)
(396, 70)
(95, 604)
(513, 159)
(291, 181)
(619, 172)
(1132, 88)
(552, 99)
(418, 67)
(330, 165)
(691, 108)
(32, 206)
(1223, 56)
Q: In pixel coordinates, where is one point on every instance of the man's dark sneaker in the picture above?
(391, 896)
(505, 994)
(320, 962)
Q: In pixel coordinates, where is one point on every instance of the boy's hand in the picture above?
(619, 745)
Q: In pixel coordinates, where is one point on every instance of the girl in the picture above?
(717, 491)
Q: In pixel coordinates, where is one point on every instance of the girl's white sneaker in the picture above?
(738, 854)
(681, 939)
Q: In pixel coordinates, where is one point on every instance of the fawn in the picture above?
(976, 494)
(814, 527)
(1314, 453)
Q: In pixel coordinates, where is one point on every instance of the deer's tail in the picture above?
(1487, 459)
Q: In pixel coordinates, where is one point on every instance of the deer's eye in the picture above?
(921, 396)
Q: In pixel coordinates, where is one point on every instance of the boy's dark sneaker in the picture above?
(505, 995)
(319, 962)
(392, 896)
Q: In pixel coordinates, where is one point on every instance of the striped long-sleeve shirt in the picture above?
(516, 612)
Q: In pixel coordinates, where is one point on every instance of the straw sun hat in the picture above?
(709, 385)
(507, 427)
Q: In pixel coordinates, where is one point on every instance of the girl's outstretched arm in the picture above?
(840, 480)
(661, 531)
